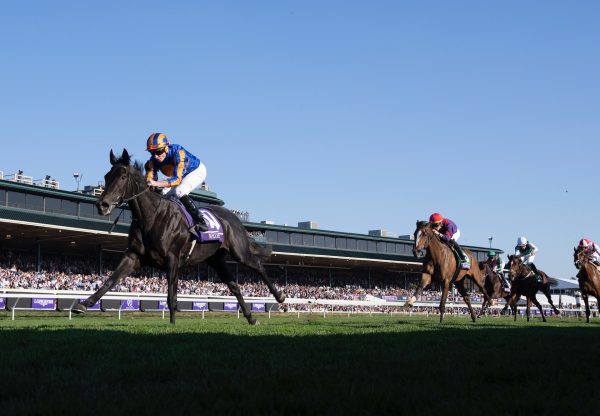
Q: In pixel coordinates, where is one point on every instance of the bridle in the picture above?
(125, 201)
(578, 262)
(518, 274)
(422, 234)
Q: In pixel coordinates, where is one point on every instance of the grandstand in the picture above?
(39, 219)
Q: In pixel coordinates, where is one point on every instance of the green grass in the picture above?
(313, 365)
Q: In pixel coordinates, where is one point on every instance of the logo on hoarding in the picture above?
(130, 304)
(41, 303)
(200, 306)
(258, 307)
(230, 306)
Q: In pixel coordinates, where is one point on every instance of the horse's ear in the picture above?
(113, 158)
(125, 156)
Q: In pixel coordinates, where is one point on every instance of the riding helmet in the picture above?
(435, 218)
(157, 141)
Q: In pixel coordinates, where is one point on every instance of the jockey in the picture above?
(184, 171)
(527, 251)
(592, 251)
(449, 233)
(497, 265)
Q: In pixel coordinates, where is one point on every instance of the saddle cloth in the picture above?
(215, 228)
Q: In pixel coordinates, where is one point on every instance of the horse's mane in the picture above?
(125, 160)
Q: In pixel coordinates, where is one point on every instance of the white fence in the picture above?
(64, 300)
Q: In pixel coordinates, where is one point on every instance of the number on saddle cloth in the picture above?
(215, 228)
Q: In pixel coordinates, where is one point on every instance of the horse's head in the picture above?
(118, 183)
(579, 256)
(423, 234)
(515, 267)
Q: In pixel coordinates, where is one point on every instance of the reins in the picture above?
(122, 205)
(457, 270)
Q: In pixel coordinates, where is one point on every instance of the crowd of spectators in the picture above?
(20, 270)
(73, 273)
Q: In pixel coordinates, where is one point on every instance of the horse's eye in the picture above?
(124, 177)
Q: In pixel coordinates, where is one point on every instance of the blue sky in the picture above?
(356, 115)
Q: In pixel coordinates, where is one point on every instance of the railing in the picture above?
(48, 183)
(63, 301)
(20, 178)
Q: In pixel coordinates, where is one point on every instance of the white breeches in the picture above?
(189, 182)
(528, 259)
(456, 235)
(594, 256)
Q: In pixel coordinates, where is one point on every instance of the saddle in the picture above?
(457, 257)
(215, 228)
(537, 276)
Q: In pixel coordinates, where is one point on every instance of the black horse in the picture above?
(159, 237)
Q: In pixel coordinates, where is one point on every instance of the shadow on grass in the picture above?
(443, 369)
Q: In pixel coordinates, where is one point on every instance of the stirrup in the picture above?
(198, 227)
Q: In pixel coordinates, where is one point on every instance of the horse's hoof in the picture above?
(280, 298)
(252, 321)
(78, 309)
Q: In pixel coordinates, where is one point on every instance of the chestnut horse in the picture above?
(589, 279)
(493, 288)
(440, 265)
(525, 284)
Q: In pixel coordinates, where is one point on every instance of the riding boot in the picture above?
(536, 273)
(188, 203)
(504, 281)
(465, 264)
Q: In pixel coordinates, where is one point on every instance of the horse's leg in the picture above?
(484, 305)
(423, 283)
(479, 283)
(172, 278)
(513, 302)
(460, 286)
(528, 309)
(252, 261)
(129, 263)
(217, 262)
(443, 301)
(587, 307)
(506, 306)
(546, 291)
(536, 303)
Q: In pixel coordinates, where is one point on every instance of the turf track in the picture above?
(336, 365)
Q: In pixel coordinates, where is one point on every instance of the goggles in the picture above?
(158, 152)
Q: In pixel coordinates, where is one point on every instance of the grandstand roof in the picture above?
(27, 223)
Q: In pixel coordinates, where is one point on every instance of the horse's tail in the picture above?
(263, 252)
(552, 282)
